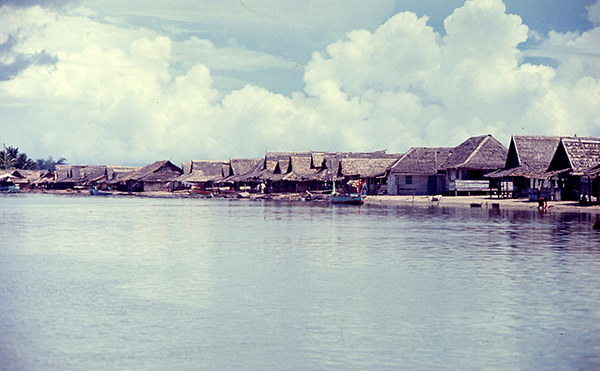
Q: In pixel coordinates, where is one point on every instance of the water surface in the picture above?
(188, 284)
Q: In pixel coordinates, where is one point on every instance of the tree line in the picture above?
(11, 158)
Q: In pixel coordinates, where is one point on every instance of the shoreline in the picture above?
(421, 201)
(483, 202)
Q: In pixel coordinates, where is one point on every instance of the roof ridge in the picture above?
(485, 139)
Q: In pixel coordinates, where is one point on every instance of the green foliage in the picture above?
(50, 163)
(10, 159)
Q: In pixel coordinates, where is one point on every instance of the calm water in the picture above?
(186, 284)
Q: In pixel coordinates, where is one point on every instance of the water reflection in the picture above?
(219, 284)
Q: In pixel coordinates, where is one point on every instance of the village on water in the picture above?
(548, 167)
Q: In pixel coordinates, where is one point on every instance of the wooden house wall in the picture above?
(150, 186)
(420, 185)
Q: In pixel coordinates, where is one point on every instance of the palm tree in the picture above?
(50, 163)
(25, 163)
(10, 158)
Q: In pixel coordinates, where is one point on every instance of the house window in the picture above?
(408, 179)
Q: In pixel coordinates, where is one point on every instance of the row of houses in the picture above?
(559, 168)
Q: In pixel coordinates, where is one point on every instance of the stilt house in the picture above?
(524, 172)
(237, 172)
(574, 166)
(202, 173)
(468, 163)
(158, 176)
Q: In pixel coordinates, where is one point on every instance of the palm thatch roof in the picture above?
(239, 168)
(115, 172)
(186, 167)
(273, 167)
(355, 164)
(577, 154)
(322, 166)
(480, 153)
(300, 168)
(203, 171)
(31, 176)
(528, 156)
(153, 173)
(421, 161)
(69, 173)
(364, 167)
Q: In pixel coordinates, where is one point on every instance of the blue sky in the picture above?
(131, 82)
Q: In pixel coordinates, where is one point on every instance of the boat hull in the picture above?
(200, 191)
(10, 188)
(96, 192)
(347, 200)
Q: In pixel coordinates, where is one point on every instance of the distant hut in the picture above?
(111, 178)
(69, 176)
(202, 173)
(419, 172)
(44, 179)
(371, 168)
(468, 163)
(19, 178)
(524, 172)
(574, 166)
(270, 173)
(301, 174)
(158, 176)
(90, 174)
(311, 170)
(237, 173)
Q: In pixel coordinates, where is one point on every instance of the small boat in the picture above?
(10, 188)
(200, 191)
(357, 198)
(8, 185)
(97, 192)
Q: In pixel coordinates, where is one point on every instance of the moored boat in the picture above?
(357, 198)
(8, 185)
(97, 192)
(195, 190)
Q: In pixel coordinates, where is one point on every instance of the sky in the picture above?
(132, 82)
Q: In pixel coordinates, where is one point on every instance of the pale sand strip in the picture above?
(483, 201)
(421, 201)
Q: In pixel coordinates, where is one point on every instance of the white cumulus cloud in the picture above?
(107, 93)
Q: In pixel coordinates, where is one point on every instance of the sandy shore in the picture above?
(482, 201)
(449, 201)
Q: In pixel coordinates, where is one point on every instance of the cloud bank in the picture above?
(95, 91)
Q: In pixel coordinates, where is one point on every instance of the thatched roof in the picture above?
(186, 167)
(333, 168)
(153, 172)
(273, 167)
(579, 154)
(421, 161)
(93, 172)
(300, 168)
(240, 168)
(317, 160)
(528, 156)
(479, 153)
(31, 176)
(364, 167)
(69, 173)
(324, 166)
(203, 171)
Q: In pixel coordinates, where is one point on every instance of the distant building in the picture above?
(159, 176)
(470, 161)
(524, 172)
(418, 172)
